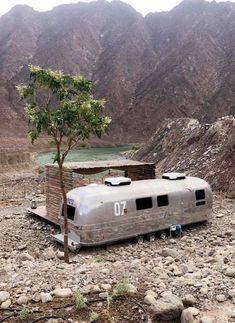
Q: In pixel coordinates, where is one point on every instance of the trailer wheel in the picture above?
(162, 235)
(139, 239)
(151, 237)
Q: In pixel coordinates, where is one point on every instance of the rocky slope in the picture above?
(199, 269)
(204, 150)
(174, 64)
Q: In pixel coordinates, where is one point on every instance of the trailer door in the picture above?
(186, 205)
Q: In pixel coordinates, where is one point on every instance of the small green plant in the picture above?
(107, 311)
(121, 288)
(100, 259)
(80, 300)
(94, 317)
(25, 313)
(109, 300)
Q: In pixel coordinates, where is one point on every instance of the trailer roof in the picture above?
(142, 188)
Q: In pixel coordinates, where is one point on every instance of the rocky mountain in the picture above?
(204, 150)
(172, 64)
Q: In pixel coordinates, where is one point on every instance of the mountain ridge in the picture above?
(179, 63)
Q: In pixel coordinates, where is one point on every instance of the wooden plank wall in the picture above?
(53, 190)
(141, 172)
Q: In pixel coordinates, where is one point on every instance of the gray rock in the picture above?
(60, 255)
(231, 293)
(96, 289)
(6, 304)
(106, 287)
(103, 295)
(207, 319)
(189, 300)
(168, 307)
(132, 289)
(230, 272)
(149, 299)
(194, 311)
(46, 297)
(49, 253)
(204, 290)
(25, 257)
(170, 252)
(4, 296)
(62, 292)
(36, 298)
(22, 300)
(151, 292)
(186, 317)
(220, 298)
(166, 293)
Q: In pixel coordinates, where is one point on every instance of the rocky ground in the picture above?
(166, 276)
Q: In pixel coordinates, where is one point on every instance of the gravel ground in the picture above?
(201, 263)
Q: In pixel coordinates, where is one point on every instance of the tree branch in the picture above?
(67, 150)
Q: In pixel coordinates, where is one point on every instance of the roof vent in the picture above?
(173, 176)
(117, 181)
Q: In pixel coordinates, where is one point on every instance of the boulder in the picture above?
(230, 272)
(46, 297)
(60, 255)
(168, 307)
(220, 298)
(62, 292)
(6, 304)
(25, 257)
(189, 300)
(149, 299)
(106, 287)
(132, 289)
(4, 296)
(151, 292)
(194, 311)
(22, 300)
(170, 252)
(231, 293)
(186, 317)
(49, 253)
(104, 295)
(207, 319)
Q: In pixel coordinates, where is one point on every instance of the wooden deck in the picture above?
(41, 212)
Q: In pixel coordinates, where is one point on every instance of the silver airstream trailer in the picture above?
(121, 208)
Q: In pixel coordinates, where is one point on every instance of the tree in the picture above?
(62, 107)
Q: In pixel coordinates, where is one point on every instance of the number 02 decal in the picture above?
(119, 208)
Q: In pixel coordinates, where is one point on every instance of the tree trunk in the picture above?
(66, 248)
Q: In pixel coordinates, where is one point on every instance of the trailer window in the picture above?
(70, 211)
(144, 203)
(162, 200)
(200, 194)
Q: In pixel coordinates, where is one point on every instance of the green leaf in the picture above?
(62, 106)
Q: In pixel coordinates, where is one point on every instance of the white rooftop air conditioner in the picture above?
(117, 181)
(173, 176)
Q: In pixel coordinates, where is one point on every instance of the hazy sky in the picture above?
(143, 6)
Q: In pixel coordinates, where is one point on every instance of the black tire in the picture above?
(151, 237)
(162, 235)
(140, 239)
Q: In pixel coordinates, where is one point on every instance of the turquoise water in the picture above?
(86, 154)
